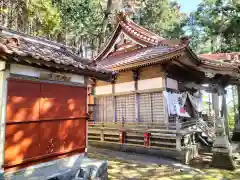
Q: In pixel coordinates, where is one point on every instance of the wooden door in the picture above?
(43, 121)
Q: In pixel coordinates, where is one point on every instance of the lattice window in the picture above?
(145, 112)
(104, 109)
(157, 107)
(151, 107)
(125, 108)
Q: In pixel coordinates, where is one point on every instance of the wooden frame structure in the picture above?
(148, 65)
(43, 119)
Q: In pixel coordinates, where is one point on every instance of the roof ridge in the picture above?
(43, 41)
(51, 43)
(145, 30)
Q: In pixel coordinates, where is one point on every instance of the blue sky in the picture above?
(188, 6)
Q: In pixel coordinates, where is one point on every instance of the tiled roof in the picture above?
(226, 57)
(137, 55)
(45, 53)
(221, 60)
(138, 34)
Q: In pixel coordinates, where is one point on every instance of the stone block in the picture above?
(63, 169)
(223, 161)
(236, 136)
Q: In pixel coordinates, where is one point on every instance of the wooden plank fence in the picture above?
(154, 135)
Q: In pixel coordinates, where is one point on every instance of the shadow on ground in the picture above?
(125, 166)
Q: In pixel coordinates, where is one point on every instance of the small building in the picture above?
(155, 96)
(43, 96)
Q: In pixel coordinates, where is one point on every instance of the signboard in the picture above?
(54, 77)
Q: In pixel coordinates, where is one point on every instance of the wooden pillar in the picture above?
(164, 85)
(135, 78)
(93, 84)
(114, 97)
(3, 110)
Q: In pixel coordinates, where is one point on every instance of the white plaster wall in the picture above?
(35, 72)
(152, 83)
(25, 70)
(172, 83)
(76, 78)
(124, 87)
(100, 90)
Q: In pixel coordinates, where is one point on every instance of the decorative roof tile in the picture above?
(226, 57)
(44, 52)
(137, 55)
(139, 35)
(221, 60)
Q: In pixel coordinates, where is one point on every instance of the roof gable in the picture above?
(128, 36)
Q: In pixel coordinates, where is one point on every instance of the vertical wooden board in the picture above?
(21, 143)
(34, 139)
(97, 109)
(130, 108)
(60, 101)
(110, 109)
(22, 100)
(145, 108)
(152, 71)
(125, 76)
(49, 139)
(158, 108)
(72, 135)
(104, 109)
(120, 108)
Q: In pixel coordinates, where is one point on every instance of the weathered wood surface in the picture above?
(161, 136)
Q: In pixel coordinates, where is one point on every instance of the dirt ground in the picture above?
(129, 166)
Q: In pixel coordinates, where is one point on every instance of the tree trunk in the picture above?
(81, 47)
(6, 7)
(238, 95)
(105, 23)
(1, 11)
(212, 45)
(92, 48)
(10, 14)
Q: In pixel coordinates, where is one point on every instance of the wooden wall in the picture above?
(128, 97)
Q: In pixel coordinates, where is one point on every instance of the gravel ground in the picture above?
(130, 166)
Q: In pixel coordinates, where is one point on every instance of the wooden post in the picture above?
(101, 135)
(135, 78)
(3, 111)
(114, 98)
(166, 117)
(94, 81)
